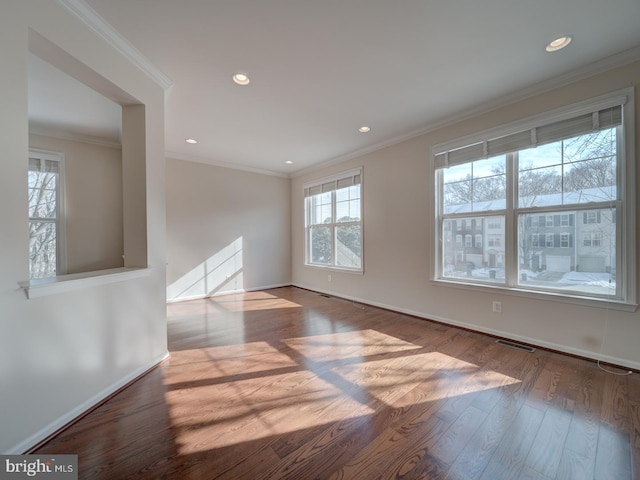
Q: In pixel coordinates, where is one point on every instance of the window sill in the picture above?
(331, 268)
(42, 287)
(539, 295)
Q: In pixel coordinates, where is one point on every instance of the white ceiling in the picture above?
(321, 69)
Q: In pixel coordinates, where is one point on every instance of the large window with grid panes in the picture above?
(333, 222)
(547, 203)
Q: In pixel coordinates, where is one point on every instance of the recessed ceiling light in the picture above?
(288, 162)
(364, 129)
(559, 43)
(241, 79)
(191, 140)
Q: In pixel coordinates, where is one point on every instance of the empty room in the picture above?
(319, 240)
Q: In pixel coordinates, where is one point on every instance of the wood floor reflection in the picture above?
(289, 384)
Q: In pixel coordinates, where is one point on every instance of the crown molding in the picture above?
(580, 73)
(614, 61)
(95, 22)
(61, 134)
(219, 163)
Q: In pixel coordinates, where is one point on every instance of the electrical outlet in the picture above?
(328, 278)
(497, 307)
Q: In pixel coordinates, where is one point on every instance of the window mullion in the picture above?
(438, 212)
(310, 206)
(511, 222)
(334, 243)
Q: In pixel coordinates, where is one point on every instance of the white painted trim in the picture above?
(73, 136)
(477, 328)
(219, 163)
(227, 292)
(73, 414)
(550, 296)
(100, 26)
(42, 287)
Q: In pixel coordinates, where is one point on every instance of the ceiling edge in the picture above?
(100, 26)
(48, 131)
(218, 163)
(608, 63)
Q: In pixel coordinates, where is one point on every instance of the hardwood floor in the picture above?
(289, 384)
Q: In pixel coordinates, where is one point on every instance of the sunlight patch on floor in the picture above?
(239, 393)
(443, 376)
(235, 412)
(222, 361)
(340, 346)
(251, 301)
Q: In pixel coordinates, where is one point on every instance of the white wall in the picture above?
(227, 230)
(60, 354)
(398, 239)
(93, 203)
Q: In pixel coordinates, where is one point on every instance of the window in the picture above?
(45, 214)
(592, 239)
(533, 241)
(596, 239)
(541, 183)
(591, 217)
(333, 222)
(494, 223)
(549, 240)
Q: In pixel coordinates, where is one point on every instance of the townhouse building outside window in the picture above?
(333, 222)
(556, 195)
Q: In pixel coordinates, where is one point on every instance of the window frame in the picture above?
(60, 222)
(624, 205)
(358, 179)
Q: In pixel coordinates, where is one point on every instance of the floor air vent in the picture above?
(507, 343)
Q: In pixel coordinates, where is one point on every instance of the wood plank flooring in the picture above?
(290, 384)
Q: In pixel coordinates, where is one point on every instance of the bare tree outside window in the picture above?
(44, 210)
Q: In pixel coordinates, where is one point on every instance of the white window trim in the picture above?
(334, 178)
(626, 184)
(61, 230)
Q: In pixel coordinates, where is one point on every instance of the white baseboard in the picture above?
(61, 422)
(490, 331)
(268, 287)
(226, 292)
